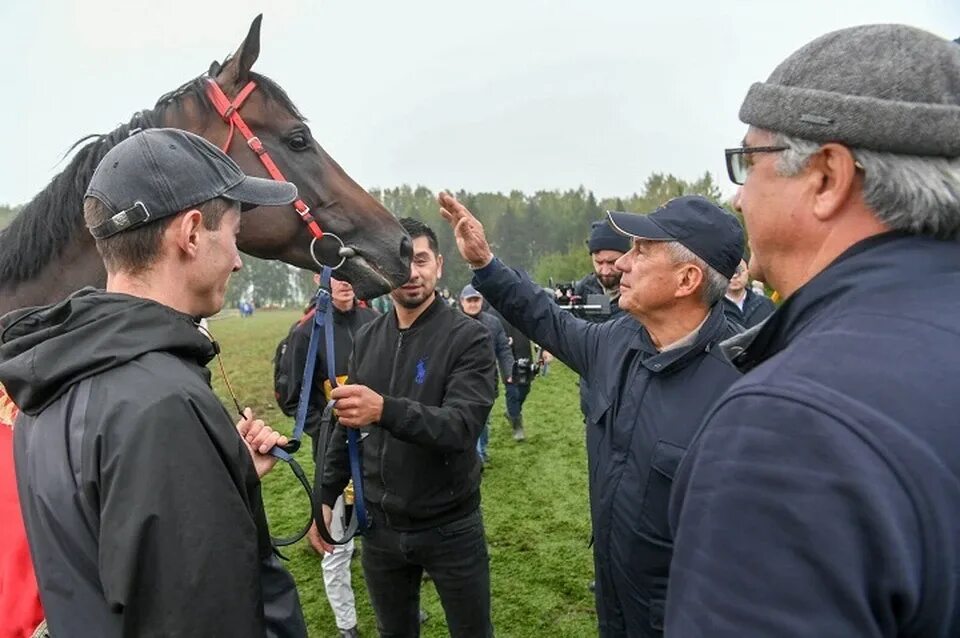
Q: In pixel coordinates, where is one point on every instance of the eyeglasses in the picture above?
(739, 160)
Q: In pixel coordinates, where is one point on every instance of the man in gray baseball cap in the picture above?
(140, 499)
(161, 172)
(822, 496)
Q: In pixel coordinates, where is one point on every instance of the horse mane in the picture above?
(51, 219)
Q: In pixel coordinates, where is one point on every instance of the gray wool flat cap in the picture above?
(883, 87)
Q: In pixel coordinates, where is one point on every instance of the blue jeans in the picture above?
(516, 395)
(483, 440)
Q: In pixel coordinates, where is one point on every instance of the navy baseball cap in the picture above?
(708, 231)
(160, 172)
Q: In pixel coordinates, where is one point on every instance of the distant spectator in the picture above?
(741, 304)
(471, 302)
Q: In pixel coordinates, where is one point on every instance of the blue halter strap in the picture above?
(323, 321)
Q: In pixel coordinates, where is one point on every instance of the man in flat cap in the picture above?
(141, 501)
(822, 496)
(653, 374)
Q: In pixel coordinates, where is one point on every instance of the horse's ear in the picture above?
(237, 68)
(214, 69)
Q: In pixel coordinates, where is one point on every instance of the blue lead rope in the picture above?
(323, 321)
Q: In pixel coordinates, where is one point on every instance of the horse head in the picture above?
(378, 251)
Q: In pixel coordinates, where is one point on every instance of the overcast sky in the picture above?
(492, 95)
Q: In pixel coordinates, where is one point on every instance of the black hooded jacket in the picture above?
(141, 503)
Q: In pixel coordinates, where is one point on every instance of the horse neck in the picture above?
(71, 260)
(46, 253)
(79, 265)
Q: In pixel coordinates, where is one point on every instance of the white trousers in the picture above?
(336, 575)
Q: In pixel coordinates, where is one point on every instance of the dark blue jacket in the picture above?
(501, 345)
(756, 308)
(643, 409)
(822, 496)
(590, 285)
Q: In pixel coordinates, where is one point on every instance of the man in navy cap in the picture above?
(653, 374)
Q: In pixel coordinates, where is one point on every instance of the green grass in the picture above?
(534, 500)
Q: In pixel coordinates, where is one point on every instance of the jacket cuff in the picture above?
(393, 412)
(480, 274)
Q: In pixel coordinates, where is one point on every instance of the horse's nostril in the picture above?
(406, 248)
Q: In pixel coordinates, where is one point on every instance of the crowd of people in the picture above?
(753, 470)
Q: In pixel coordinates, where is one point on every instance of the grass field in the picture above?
(534, 500)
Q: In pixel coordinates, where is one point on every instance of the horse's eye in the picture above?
(298, 142)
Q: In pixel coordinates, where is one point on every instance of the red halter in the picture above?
(230, 112)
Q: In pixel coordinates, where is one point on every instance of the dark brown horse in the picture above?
(46, 252)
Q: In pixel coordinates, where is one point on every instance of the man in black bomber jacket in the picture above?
(422, 383)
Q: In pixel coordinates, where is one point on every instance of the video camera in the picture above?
(593, 305)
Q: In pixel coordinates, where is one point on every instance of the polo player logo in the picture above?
(421, 371)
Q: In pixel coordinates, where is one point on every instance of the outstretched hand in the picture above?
(467, 230)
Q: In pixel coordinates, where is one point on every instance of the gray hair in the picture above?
(913, 193)
(714, 285)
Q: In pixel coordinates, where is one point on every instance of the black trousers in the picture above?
(455, 555)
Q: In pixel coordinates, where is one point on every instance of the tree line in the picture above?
(543, 233)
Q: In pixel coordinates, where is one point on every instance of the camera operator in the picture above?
(653, 374)
(525, 370)
(606, 246)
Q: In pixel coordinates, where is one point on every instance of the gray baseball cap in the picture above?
(469, 291)
(160, 172)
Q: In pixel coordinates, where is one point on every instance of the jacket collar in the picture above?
(713, 329)
(344, 314)
(888, 260)
(436, 306)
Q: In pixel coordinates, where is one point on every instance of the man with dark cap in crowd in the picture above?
(744, 307)
(471, 302)
(141, 501)
(822, 495)
(606, 246)
(653, 374)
